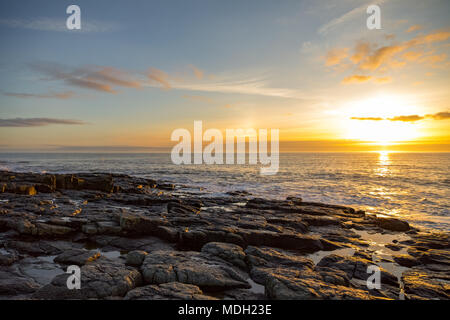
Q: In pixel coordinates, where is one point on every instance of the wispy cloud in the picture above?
(159, 77)
(37, 122)
(409, 118)
(91, 77)
(415, 27)
(51, 95)
(108, 79)
(58, 25)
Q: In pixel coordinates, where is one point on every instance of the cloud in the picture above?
(37, 122)
(356, 79)
(361, 50)
(57, 25)
(382, 80)
(362, 78)
(52, 95)
(106, 79)
(370, 57)
(113, 76)
(409, 118)
(335, 56)
(92, 77)
(324, 29)
(249, 86)
(439, 115)
(158, 76)
(197, 72)
(367, 118)
(380, 56)
(415, 27)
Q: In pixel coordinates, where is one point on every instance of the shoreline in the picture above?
(135, 238)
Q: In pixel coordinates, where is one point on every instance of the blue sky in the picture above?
(139, 69)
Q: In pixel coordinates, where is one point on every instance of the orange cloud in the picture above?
(380, 56)
(369, 57)
(439, 115)
(411, 55)
(415, 27)
(356, 79)
(382, 80)
(361, 50)
(410, 118)
(361, 78)
(335, 56)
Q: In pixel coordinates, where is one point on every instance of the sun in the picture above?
(381, 132)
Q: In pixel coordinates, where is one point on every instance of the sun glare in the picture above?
(381, 132)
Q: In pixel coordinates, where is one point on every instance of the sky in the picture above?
(138, 70)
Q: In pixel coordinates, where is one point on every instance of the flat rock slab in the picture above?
(191, 267)
(99, 279)
(168, 291)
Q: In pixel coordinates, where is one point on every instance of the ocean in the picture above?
(411, 186)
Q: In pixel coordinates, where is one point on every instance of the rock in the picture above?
(270, 257)
(12, 285)
(168, 291)
(99, 279)
(50, 230)
(422, 284)
(406, 260)
(290, 284)
(136, 257)
(300, 242)
(393, 247)
(28, 190)
(356, 267)
(7, 259)
(139, 224)
(77, 257)
(190, 267)
(229, 252)
(392, 224)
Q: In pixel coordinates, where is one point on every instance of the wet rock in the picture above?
(393, 247)
(392, 224)
(28, 190)
(191, 267)
(229, 252)
(136, 257)
(271, 257)
(168, 291)
(289, 284)
(422, 284)
(356, 267)
(11, 285)
(139, 224)
(406, 260)
(8, 259)
(300, 242)
(77, 257)
(100, 279)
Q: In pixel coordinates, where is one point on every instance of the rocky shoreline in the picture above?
(137, 238)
